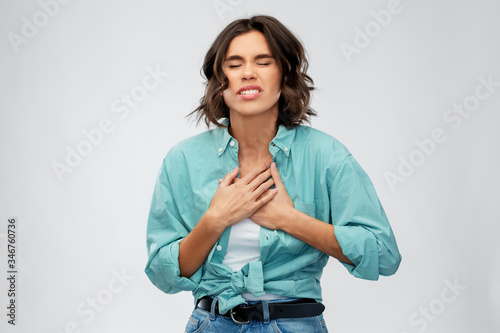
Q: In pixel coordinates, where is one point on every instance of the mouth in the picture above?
(250, 92)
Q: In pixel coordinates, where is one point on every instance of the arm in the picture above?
(280, 214)
(195, 247)
(231, 204)
(361, 225)
(312, 231)
(176, 254)
(165, 230)
(359, 234)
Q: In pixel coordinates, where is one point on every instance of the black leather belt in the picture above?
(244, 313)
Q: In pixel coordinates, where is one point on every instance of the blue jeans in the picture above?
(205, 321)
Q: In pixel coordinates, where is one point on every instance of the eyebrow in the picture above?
(259, 56)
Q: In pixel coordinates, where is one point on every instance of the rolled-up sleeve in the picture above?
(165, 230)
(360, 223)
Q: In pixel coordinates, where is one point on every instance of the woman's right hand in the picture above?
(233, 202)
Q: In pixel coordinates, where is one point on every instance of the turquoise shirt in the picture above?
(323, 180)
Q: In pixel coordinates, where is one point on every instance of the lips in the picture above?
(249, 92)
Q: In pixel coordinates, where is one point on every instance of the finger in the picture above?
(260, 179)
(262, 188)
(228, 178)
(276, 175)
(267, 197)
(252, 174)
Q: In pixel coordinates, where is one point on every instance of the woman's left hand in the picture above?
(275, 211)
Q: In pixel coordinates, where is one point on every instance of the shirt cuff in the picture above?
(361, 247)
(164, 271)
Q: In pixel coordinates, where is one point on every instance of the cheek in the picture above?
(230, 86)
(277, 87)
(276, 79)
(226, 94)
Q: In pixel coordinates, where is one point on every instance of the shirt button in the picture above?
(267, 237)
(286, 149)
(231, 143)
(220, 149)
(219, 247)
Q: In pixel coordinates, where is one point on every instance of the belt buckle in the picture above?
(232, 313)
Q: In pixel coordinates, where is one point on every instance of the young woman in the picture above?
(247, 214)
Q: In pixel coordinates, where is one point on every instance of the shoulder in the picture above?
(320, 142)
(191, 147)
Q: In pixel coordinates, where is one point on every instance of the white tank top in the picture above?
(244, 247)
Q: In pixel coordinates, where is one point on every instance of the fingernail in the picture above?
(235, 168)
(273, 165)
(267, 164)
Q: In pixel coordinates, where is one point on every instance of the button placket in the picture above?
(220, 247)
(265, 243)
(234, 157)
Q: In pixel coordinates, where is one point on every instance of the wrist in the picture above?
(288, 218)
(215, 221)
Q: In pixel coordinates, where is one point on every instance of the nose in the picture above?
(248, 72)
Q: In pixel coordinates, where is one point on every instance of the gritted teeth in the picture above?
(250, 91)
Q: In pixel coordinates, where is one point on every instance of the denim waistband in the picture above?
(265, 307)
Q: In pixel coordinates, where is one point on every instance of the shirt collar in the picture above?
(283, 139)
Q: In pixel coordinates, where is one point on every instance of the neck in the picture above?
(253, 133)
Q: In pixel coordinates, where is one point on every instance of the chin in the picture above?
(250, 113)
(253, 110)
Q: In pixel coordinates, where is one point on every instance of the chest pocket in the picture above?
(313, 209)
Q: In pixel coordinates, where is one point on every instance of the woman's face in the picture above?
(254, 76)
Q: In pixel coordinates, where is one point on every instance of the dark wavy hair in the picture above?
(288, 51)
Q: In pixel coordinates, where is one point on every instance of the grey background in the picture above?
(76, 233)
